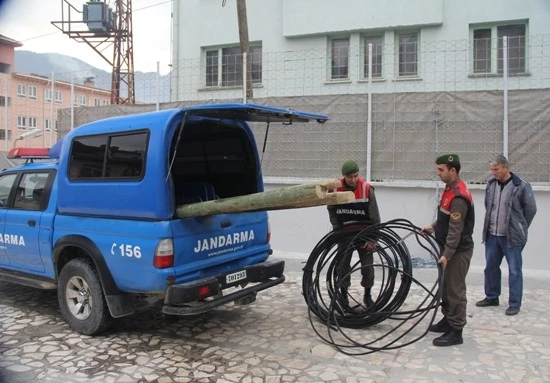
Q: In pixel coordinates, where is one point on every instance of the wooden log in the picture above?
(292, 197)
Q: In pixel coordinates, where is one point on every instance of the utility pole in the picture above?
(243, 37)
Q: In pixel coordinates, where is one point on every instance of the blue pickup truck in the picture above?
(97, 221)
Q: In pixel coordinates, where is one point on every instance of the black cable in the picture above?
(322, 287)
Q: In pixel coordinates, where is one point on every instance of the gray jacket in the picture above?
(521, 210)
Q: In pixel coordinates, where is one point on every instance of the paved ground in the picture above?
(271, 340)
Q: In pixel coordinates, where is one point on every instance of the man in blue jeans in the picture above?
(509, 210)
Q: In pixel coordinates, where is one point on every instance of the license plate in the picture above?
(231, 278)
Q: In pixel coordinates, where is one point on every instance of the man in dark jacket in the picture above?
(363, 210)
(509, 210)
(453, 230)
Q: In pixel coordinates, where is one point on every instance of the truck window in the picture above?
(216, 155)
(30, 191)
(6, 184)
(109, 157)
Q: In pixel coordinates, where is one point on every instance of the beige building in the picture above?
(29, 103)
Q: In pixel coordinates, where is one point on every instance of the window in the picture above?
(339, 59)
(376, 42)
(47, 125)
(212, 68)
(516, 48)
(32, 122)
(30, 191)
(21, 90)
(75, 98)
(3, 134)
(488, 46)
(4, 67)
(6, 184)
(105, 102)
(32, 92)
(97, 102)
(48, 95)
(408, 54)
(231, 69)
(58, 96)
(125, 158)
(482, 51)
(3, 101)
(82, 100)
(21, 122)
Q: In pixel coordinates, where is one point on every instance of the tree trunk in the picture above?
(291, 197)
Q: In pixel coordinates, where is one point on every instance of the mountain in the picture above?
(64, 66)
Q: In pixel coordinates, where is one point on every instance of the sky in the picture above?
(29, 22)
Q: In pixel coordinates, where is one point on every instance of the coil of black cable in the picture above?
(322, 286)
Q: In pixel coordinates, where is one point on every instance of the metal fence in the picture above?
(447, 105)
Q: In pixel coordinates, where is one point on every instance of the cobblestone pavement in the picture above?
(271, 340)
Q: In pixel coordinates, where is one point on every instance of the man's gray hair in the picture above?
(500, 160)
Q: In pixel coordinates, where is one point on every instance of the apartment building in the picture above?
(29, 102)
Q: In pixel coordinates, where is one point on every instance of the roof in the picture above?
(7, 41)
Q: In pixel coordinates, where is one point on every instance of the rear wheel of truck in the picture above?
(81, 298)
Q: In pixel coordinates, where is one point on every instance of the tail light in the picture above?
(164, 254)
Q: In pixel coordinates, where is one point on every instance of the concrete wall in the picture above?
(299, 230)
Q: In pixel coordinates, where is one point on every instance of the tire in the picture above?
(81, 298)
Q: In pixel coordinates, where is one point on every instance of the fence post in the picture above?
(51, 107)
(73, 99)
(244, 77)
(369, 116)
(505, 86)
(158, 75)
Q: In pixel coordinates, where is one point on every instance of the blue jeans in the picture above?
(495, 249)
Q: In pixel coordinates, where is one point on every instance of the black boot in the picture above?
(367, 298)
(441, 326)
(450, 338)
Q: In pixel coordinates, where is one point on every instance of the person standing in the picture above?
(509, 210)
(363, 209)
(453, 231)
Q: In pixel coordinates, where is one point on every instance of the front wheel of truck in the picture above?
(81, 298)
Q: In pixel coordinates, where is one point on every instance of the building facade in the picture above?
(304, 47)
(29, 103)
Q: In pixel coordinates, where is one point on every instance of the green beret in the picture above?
(350, 167)
(448, 159)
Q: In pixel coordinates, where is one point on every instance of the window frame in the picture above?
(364, 56)
(21, 90)
(32, 92)
(32, 122)
(405, 74)
(343, 60)
(221, 77)
(100, 165)
(58, 97)
(21, 122)
(495, 61)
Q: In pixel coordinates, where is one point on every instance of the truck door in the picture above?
(6, 184)
(22, 223)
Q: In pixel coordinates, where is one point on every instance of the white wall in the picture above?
(284, 26)
(299, 230)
